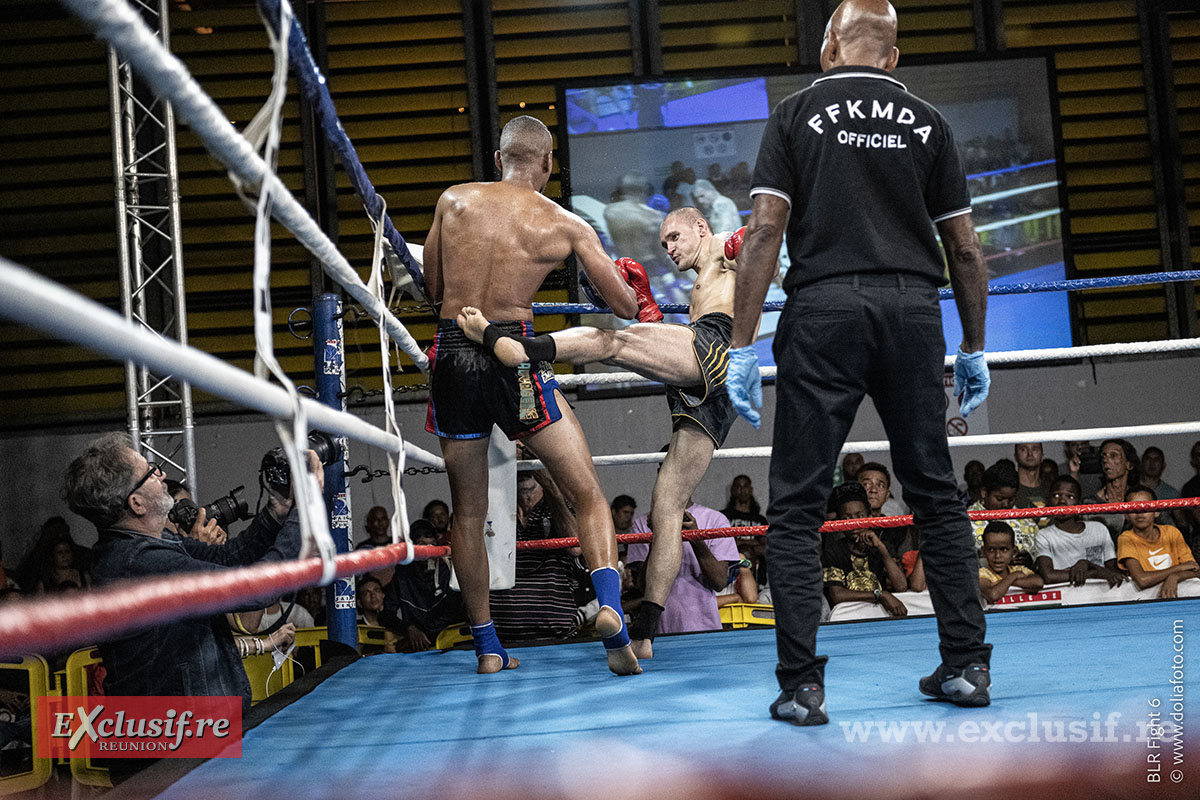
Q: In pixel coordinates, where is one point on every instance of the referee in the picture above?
(859, 172)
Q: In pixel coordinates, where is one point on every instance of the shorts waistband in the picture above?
(715, 316)
(523, 327)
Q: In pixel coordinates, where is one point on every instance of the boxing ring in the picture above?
(694, 724)
(1073, 688)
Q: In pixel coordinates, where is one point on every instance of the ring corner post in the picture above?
(329, 354)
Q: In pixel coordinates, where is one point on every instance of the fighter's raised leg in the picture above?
(467, 469)
(562, 448)
(688, 457)
(657, 351)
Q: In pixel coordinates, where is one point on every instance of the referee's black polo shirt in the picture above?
(867, 168)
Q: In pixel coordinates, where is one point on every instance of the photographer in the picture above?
(114, 487)
(202, 528)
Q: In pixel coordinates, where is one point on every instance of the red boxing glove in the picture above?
(635, 275)
(733, 245)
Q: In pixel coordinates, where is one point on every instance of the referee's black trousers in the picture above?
(838, 340)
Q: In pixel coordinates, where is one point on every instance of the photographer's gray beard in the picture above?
(162, 504)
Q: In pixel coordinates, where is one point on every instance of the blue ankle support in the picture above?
(487, 643)
(607, 582)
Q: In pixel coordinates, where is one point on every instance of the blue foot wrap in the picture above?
(607, 582)
(487, 643)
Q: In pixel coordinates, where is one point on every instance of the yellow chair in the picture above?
(452, 635)
(745, 615)
(38, 672)
(77, 686)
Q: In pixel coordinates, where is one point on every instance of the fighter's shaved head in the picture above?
(864, 31)
(525, 139)
(685, 216)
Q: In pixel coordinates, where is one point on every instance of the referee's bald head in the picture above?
(862, 32)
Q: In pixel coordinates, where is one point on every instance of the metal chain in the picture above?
(357, 395)
(371, 474)
(353, 313)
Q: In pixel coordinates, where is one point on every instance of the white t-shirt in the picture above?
(1066, 549)
(299, 617)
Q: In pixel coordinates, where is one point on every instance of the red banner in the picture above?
(139, 727)
(1052, 596)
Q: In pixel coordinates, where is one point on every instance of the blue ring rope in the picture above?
(1113, 281)
(1006, 170)
(312, 85)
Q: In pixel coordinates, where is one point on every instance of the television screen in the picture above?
(633, 151)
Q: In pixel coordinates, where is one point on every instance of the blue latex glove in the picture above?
(971, 380)
(590, 292)
(743, 383)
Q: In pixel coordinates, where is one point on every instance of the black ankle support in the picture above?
(539, 348)
(645, 620)
(490, 334)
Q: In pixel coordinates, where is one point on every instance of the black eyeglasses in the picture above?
(155, 467)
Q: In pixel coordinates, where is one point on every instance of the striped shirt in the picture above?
(541, 606)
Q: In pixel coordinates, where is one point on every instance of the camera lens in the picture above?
(277, 473)
(228, 509)
(325, 446)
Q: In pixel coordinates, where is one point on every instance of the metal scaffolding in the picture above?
(159, 407)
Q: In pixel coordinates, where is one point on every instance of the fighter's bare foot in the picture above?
(643, 648)
(508, 350)
(623, 661)
(607, 622)
(491, 662)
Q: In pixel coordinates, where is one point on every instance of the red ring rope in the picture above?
(55, 623)
(834, 526)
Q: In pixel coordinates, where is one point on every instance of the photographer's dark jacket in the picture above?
(188, 657)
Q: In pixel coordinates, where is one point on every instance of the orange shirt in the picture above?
(1170, 550)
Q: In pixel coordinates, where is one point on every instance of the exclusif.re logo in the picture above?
(139, 727)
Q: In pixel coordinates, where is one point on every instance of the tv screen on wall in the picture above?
(632, 151)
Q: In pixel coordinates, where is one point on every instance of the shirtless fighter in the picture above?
(490, 247)
(690, 359)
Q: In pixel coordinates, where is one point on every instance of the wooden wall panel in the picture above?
(398, 74)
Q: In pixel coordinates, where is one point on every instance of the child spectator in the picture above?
(1071, 550)
(856, 563)
(1154, 554)
(877, 481)
(1000, 491)
(971, 489)
(1000, 574)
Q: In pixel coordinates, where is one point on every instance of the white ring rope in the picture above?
(44, 305)
(122, 27)
(1161, 346)
(399, 524)
(882, 445)
(310, 502)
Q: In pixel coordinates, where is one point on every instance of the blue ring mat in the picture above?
(420, 724)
